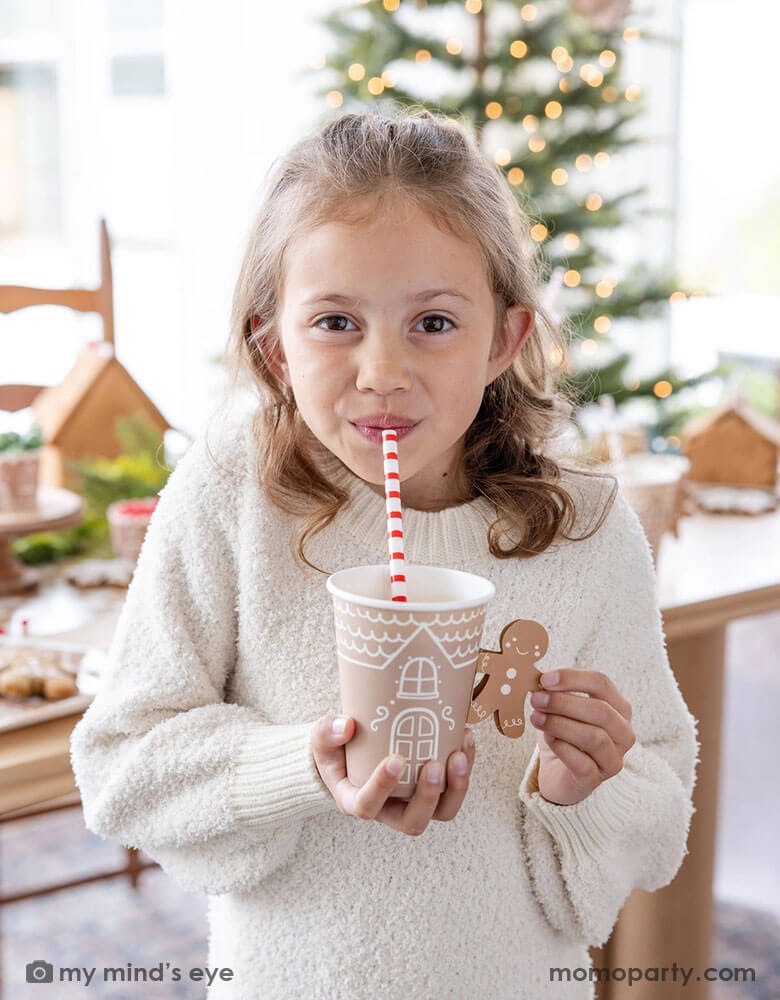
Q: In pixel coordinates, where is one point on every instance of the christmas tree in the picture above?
(545, 80)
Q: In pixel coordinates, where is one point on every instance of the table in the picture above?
(35, 773)
(720, 568)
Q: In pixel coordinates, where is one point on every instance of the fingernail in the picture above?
(459, 763)
(434, 773)
(550, 680)
(394, 765)
(339, 725)
(469, 741)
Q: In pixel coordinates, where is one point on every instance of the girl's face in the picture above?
(392, 317)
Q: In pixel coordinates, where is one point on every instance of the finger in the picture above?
(328, 748)
(457, 783)
(591, 710)
(422, 804)
(579, 763)
(590, 740)
(451, 800)
(370, 800)
(592, 682)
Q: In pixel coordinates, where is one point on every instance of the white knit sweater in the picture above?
(197, 750)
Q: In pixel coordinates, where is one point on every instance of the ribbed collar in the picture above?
(456, 534)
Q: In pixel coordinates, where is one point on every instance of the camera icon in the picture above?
(40, 972)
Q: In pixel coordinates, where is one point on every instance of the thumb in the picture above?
(327, 737)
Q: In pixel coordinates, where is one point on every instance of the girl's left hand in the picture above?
(582, 741)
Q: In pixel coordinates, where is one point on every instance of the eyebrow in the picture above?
(346, 300)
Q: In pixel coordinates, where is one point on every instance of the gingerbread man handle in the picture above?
(510, 673)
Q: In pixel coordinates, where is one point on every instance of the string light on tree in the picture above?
(356, 71)
(536, 144)
(553, 109)
(601, 159)
(607, 58)
(539, 232)
(518, 49)
(422, 55)
(631, 35)
(528, 12)
(602, 324)
(588, 346)
(572, 278)
(678, 297)
(571, 241)
(593, 202)
(632, 93)
(662, 389)
(454, 46)
(603, 289)
(531, 123)
(391, 5)
(610, 94)
(473, 6)
(502, 156)
(559, 176)
(334, 98)
(556, 355)
(375, 86)
(388, 79)
(493, 109)
(583, 162)
(515, 176)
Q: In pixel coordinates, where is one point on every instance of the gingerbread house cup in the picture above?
(127, 522)
(406, 669)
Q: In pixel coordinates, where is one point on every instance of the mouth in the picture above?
(375, 433)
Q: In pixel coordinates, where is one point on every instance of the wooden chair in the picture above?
(99, 300)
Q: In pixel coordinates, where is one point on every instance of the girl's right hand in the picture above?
(372, 801)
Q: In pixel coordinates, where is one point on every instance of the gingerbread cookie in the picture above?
(101, 573)
(27, 671)
(510, 673)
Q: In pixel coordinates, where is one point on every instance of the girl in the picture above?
(388, 281)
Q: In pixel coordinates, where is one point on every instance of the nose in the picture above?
(383, 369)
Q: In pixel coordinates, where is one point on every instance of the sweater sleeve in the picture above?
(207, 788)
(630, 832)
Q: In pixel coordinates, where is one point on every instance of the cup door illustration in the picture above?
(415, 735)
(509, 674)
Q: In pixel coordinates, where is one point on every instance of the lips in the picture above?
(384, 421)
(374, 434)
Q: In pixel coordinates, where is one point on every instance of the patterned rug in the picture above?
(110, 924)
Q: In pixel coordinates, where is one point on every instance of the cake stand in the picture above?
(56, 509)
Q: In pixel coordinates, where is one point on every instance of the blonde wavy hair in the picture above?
(434, 161)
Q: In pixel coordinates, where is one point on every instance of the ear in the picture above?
(519, 324)
(273, 353)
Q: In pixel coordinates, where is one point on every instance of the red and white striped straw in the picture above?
(395, 527)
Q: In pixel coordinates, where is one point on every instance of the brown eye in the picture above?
(338, 318)
(436, 318)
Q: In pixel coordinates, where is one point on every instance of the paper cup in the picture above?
(406, 669)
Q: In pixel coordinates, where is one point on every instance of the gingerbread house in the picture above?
(79, 415)
(735, 445)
